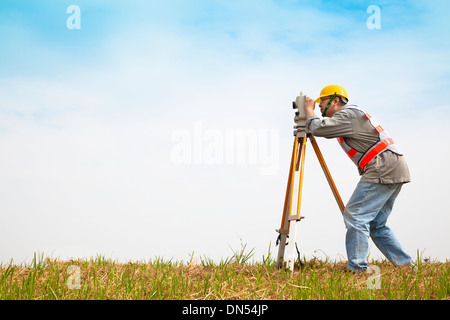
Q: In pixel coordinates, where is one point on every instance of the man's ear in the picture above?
(337, 101)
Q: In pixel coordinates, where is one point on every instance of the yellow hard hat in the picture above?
(331, 90)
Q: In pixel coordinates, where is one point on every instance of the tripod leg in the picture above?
(300, 146)
(302, 167)
(289, 189)
(294, 219)
(327, 173)
(284, 229)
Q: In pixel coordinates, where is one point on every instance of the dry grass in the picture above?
(235, 278)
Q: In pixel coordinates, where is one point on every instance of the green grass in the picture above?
(233, 278)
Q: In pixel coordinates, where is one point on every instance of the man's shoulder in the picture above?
(350, 111)
(351, 107)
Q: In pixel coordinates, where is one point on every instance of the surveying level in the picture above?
(289, 221)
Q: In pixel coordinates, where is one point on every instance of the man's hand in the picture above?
(309, 106)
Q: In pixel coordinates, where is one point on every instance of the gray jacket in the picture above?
(351, 124)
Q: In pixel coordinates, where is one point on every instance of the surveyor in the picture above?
(383, 171)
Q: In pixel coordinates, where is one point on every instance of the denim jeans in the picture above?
(365, 215)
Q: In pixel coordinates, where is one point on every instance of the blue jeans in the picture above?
(365, 215)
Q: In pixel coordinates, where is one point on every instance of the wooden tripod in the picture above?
(289, 221)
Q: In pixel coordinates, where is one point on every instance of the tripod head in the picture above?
(300, 116)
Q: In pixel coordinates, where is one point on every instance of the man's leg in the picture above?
(384, 238)
(364, 205)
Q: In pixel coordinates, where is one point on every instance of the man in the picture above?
(383, 171)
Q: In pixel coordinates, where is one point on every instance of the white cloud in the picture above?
(93, 183)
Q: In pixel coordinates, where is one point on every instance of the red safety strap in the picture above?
(375, 151)
(350, 152)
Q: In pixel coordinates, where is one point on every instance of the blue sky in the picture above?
(88, 119)
(303, 26)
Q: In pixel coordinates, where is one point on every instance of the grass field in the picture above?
(233, 278)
